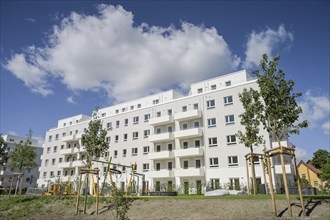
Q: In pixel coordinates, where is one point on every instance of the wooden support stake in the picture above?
(286, 184)
(97, 196)
(11, 185)
(78, 194)
(264, 174)
(299, 184)
(271, 185)
(21, 183)
(248, 176)
(86, 192)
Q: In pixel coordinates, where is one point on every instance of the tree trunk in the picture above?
(254, 182)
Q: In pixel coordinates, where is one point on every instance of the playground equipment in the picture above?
(249, 157)
(284, 151)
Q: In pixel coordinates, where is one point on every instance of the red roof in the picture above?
(310, 166)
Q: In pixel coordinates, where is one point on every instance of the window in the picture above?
(316, 183)
(145, 167)
(228, 100)
(230, 119)
(170, 129)
(184, 126)
(197, 143)
(134, 151)
(214, 162)
(146, 117)
(60, 160)
(56, 137)
(125, 137)
(135, 135)
(303, 176)
(228, 83)
(117, 111)
(200, 90)
(196, 124)
(184, 108)
(109, 125)
(196, 106)
(123, 109)
(233, 161)
(117, 124)
(48, 150)
(64, 124)
(213, 87)
(169, 111)
(107, 139)
(255, 160)
(158, 114)
(169, 165)
(211, 122)
(185, 164)
(103, 114)
(156, 101)
(231, 139)
(234, 183)
(198, 163)
(46, 162)
(145, 149)
(50, 138)
(115, 154)
(126, 122)
(215, 183)
(146, 133)
(124, 152)
(116, 138)
(185, 145)
(157, 166)
(132, 107)
(170, 147)
(59, 173)
(138, 105)
(55, 149)
(210, 104)
(44, 175)
(70, 132)
(158, 130)
(62, 146)
(136, 120)
(53, 161)
(158, 148)
(63, 134)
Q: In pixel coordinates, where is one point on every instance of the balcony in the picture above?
(163, 173)
(189, 133)
(185, 116)
(288, 169)
(73, 137)
(189, 172)
(161, 137)
(189, 152)
(66, 151)
(65, 164)
(166, 119)
(79, 163)
(162, 155)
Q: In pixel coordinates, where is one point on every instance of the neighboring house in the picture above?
(30, 176)
(175, 140)
(310, 173)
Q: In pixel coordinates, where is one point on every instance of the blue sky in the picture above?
(62, 58)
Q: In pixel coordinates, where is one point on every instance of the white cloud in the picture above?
(70, 99)
(316, 109)
(110, 52)
(265, 41)
(301, 154)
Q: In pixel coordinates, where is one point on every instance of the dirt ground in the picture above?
(195, 209)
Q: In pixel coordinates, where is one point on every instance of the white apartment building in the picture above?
(30, 176)
(175, 140)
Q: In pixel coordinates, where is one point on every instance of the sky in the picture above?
(64, 58)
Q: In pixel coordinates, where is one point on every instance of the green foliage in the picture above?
(250, 118)
(24, 155)
(321, 160)
(280, 110)
(325, 172)
(94, 139)
(3, 151)
(305, 183)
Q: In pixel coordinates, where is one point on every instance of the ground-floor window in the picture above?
(234, 183)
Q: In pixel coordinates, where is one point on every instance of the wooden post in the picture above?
(271, 185)
(253, 175)
(247, 175)
(86, 191)
(285, 181)
(11, 185)
(21, 175)
(299, 183)
(78, 194)
(97, 195)
(264, 174)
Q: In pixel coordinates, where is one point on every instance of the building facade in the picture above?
(175, 140)
(310, 173)
(30, 176)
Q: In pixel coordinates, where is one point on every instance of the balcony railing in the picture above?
(189, 172)
(78, 163)
(161, 137)
(162, 155)
(188, 115)
(166, 119)
(73, 137)
(66, 151)
(65, 164)
(163, 173)
(189, 152)
(189, 133)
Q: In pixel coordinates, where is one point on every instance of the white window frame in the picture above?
(200, 90)
(228, 83)
(214, 162)
(126, 122)
(146, 133)
(210, 104)
(213, 87)
(230, 119)
(146, 149)
(145, 167)
(115, 153)
(231, 162)
(136, 120)
(124, 152)
(212, 122)
(134, 151)
(230, 140)
(135, 135)
(116, 138)
(146, 117)
(227, 101)
(213, 142)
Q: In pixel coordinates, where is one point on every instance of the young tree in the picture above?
(280, 109)
(321, 160)
(3, 152)
(24, 155)
(250, 120)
